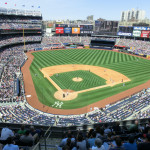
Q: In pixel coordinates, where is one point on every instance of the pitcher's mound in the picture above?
(65, 95)
(77, 79)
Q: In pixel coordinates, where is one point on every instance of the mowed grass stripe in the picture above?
(64, 80)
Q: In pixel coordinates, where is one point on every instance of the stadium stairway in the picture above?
(56, 121)
(90, 120)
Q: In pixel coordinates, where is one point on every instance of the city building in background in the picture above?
(90, 18)
(133, 15)
(134, 18)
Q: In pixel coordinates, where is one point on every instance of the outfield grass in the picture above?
(90, 80)
(135, 68)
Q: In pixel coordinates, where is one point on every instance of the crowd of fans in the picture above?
(123, 109)
(17, 26)
(18, 39)
(73, 121)
(109, 137)
(138, 46)
(135, 136)
(22, 113)
(11, 60)
(19, 19)
(66, 39)
(22, 139)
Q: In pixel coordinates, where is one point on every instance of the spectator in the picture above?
(147, 127)
(106, 130)
(98, 145)
(10, 145)
(22, 131)
(118, 143)
(81, 143)
(69, 145)
(117, 128)
(134, 127)
(91, 140)
(131, 145)
(146, 144)
(27, 139)
(5, 133)
(100, 133)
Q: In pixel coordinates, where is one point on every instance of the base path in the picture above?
(34, 102)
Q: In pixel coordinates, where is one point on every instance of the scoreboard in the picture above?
(86, 29)
(74, 29)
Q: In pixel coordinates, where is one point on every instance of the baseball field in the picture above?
(76, 78)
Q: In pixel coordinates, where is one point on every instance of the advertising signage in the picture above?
(86, 32)
(59, 30)
(140, 28)
(124, 29)
(124, 34)
(136, 33)
(61, 25)
(75, 30)
(145, 34)
(68, 30)
(86, 27)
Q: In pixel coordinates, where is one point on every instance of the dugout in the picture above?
(101, 43)
(16, 87)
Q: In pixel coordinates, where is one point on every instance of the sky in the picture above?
(79, 9)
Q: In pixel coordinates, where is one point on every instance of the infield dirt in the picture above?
(112, 78)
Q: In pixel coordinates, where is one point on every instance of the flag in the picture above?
(32, 6)
(38, 6)
(6, 3)
(15, 4)
(23, 5)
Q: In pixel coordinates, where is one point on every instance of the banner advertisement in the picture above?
(67, 30)
(140, 28)
(136, 33)
(59, 30)
(86, 32)
(86, 27)
(126, 29)
(73, 25)
(124, 34)
(145, 34)
(61, 25)
(75, 30)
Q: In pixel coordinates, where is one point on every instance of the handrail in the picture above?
(47, 130)
(48, 136)
(45, 139)
(36, 146)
